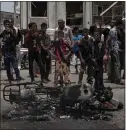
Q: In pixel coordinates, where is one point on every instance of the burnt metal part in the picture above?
(12, 92)
(58, 103)
(9, 89)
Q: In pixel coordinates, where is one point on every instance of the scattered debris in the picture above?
(76, 102)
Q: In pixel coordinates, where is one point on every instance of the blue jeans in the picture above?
(10, 59)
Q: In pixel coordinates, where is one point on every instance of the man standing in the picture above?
(63, 37)
(46, 57)
(32, 42)
(9, 50)
(76, 39)
(113, 49)
(87, 55)
(121, 37)
(18, 39)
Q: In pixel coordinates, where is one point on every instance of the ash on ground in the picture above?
(48, 110)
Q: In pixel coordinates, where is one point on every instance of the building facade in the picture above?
(8, 15)
(77, 13)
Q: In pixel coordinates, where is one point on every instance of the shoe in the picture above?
(79, 82)
(12, 79)
(76, 71)
(41, 84)
(9, 81)
(48, 80)
(32, 80)
(109, 78)
(44, 81)
(112, 81)
(36, 75)
(19, 78)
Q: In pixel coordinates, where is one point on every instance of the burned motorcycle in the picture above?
(86, 96)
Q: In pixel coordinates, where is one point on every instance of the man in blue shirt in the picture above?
(76, 39)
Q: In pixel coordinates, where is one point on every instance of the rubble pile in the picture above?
(39, 110)
(46, 110)
(32, 107)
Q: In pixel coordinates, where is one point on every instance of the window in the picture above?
(9, 16)
(95, 10)
(39, 9)
(74, 11)
(98, 8)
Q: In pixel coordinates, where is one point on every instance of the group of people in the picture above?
(94, 48)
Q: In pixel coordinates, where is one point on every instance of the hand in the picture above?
(35, 34)
(45, 48)
(109, 57)
(47, 57)
(82, 62)
(93, 60)
(65, 41)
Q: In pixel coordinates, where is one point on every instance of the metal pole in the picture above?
(14, 13)
(111, 6)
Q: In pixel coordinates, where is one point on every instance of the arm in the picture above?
(19, 35)
(49, 42)
(55, 35)
(52, 54)
(26, 40)
(80, 51)
(71, 36)
(80, 56)
(43, 47)
(108, 45)
(1, 35)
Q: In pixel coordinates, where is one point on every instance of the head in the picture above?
(106, 31)
(93, 29)
(32, 26)
(11, 22)
(112, 23)
(61, 23)
(119, 23)
(75, 30)
(85, 32)
(43, 27)
(6, 24)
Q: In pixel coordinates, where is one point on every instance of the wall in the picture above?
(38, 21)
(7, 15)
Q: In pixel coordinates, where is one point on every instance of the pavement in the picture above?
(116, 123)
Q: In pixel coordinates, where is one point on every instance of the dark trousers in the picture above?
(37, 57)
(11, 60)
(90, 71)
(115, 65)
(46, 59)
(122, 62)
(99, 85)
